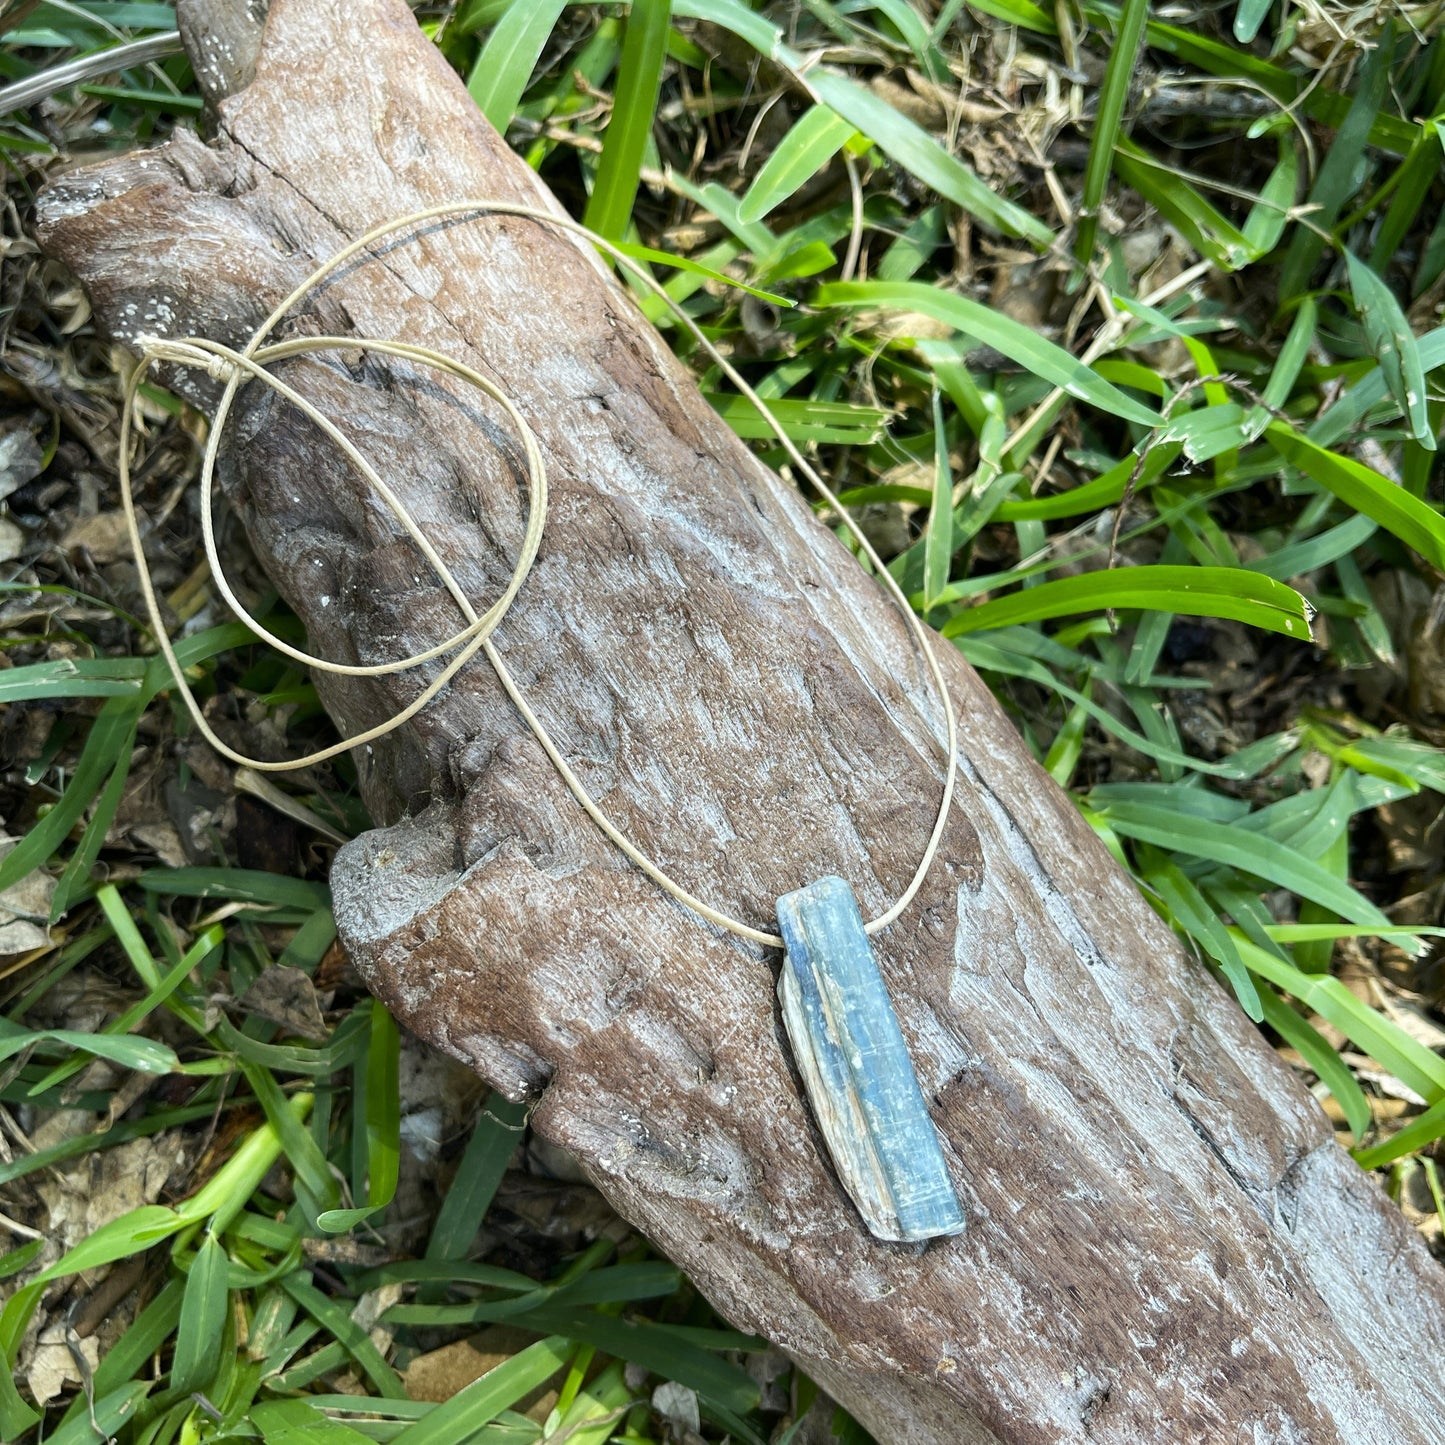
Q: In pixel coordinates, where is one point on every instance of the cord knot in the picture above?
(217, 364)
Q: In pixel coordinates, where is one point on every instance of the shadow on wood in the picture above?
(1164, 1242)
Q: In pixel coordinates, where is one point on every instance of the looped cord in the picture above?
(234, 369)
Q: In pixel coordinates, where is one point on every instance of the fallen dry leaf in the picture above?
(439, 1374)
(103, 536)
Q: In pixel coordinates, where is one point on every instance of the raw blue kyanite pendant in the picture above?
(856, 1069)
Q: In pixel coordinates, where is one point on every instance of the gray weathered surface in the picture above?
(1164, 1243)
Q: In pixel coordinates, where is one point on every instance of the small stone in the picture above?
(103, 536)
(678, 1406)
(12, 540)
(21, 460)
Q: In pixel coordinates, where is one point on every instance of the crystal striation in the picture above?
(856, 1070)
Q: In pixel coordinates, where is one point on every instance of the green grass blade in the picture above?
(1207, 431)
(1264, 858)
(829, 422)
(1417, 762)
(1191, 912)
(1369, 392)
(986, 491)
(1023, 13)
(1299, 558)
(1195, 591)
(356, 1342)
(16, 1417)
(129, 936)
(989, 485)
(474, 15)
(906, 256)
(113, 1413)
(1315, 552)
(132, 1233)
(695, 268)
(621, 1284)
(1132, 373)
(1118, 77)
(203, 1318)
(1022, 343)
(72, 677)
(484, 1399)
(953, 375)
(650, 1279)
(667, 1350)
(1316, 955)
(1410, 1061)
(1067, 748)
(505, 64)
(904, 17)
(493, 1142)
(1414, 522)
(789, 260)
(1416, 176)
(589, 1416)
(894, 134)
(108, 739)
(1338, 174)
(1285, 372)
(241, 885)
(1196, 219)
(1322, 1057)
(383, 1106)
(716, 198)
(817, 137)
(1329, 108)
(108, 735)
(164, 102)
(17, 1261)
(302, 1151)
(76, 873)
(1418, 1134)
(1248, 17)
(1393, 344)
(1269, 215)
(990, 653)
(1094, 496)
(157, 992)
(450, 1269)
(294, 1422)
(99, 1142)
(634, 104)
(1431, 265)
(226, 1193)
(734, 15)
(147, 1056)
(382, 1122)
(938, 540)
(918, 153)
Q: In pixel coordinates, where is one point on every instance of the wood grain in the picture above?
(1164, 1242)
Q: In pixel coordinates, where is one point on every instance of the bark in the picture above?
(1164, 1242)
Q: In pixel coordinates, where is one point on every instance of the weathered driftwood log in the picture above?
(1164, 1242)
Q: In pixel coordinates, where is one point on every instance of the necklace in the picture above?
(839, 1020)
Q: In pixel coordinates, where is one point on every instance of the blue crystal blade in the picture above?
(855, 1066)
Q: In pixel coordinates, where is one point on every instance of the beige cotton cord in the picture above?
(236, 368)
